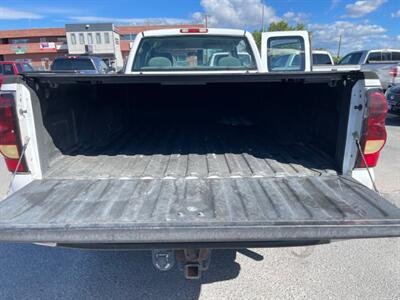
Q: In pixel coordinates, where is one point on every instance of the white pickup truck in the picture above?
(179, 156)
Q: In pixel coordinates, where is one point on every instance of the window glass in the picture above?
(106, 37)
(90, 38)
(374, 57)
(8, 69)
(72, 64)
(386, 56)
(396, 56)
(286, 54)
(98, 38)
(19, 68)
(73, 39)
(81, 39)
(1, 69)
(202, 53)
(43, 40)
(103, 66)
(128, 37)
(28, 67)
(351, 59)
(19, 41)
(321, 59)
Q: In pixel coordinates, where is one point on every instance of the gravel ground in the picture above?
(360, 269)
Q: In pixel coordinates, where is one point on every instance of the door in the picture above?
(288, 51)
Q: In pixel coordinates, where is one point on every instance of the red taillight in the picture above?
(393, 72)
(194, 30)
(9, 146)
(374, 135)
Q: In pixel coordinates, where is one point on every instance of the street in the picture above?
(360, 269)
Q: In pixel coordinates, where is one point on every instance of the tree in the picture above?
(284, 26)
(276, 26)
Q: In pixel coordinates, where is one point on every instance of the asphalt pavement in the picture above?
(359, 269)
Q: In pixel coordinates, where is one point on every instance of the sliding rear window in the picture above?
(197, 53)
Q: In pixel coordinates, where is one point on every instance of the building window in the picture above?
(98, 38)
(81, 39)
(19, 41)
(43, 40)
(128, 37)
(73, 39)
(90, 38)
(63, 39)
(106, 38)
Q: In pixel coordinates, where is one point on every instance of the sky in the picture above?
(363, 24)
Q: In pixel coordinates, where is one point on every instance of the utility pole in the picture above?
(206, 20)
(262, 17)
(340, 46)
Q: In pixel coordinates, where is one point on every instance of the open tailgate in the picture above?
(196, 210)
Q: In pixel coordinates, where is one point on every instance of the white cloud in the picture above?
(362, 7)
(131, 21)
(14, 14)
(300, 17)
(354, 36)
(235, 13)
(334, 4)
(396, 14)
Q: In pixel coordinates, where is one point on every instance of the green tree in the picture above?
(277, 26)
(284, 26)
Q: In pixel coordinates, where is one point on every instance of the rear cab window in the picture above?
(286, 54)
(396, 56)
(194, 53)
(73, 64)
(28, 67)
(321, 59)
(351, 59)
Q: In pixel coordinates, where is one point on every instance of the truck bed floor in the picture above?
(214, 152)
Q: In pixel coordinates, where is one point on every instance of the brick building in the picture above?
(39, 46)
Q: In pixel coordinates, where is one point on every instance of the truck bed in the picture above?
(202, 152)
(180, 160)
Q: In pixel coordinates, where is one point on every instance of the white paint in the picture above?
(362, 176)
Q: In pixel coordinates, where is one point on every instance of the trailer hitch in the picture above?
(191, 261)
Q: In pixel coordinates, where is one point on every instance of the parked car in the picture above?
(81, 64)
(322, 57)
(393, 98)
(12, 68)
(180, 157)
(385, 63)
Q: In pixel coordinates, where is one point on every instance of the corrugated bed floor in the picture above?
(215, 152)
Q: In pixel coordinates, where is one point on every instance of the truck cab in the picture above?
(195, 50)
